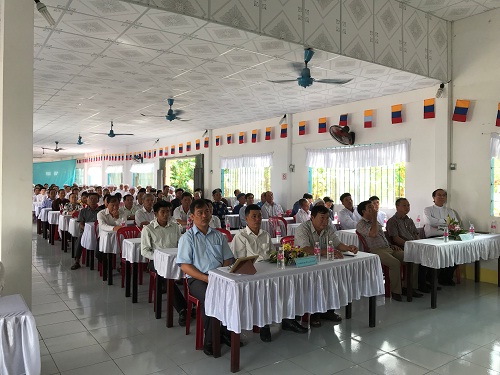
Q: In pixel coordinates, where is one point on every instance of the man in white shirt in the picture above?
(270, 208)
(181, 213)
(110, 219)
(303, 214)
(434, 223)
(348, 216)
(145, 215)
(129, 208)
(381, 216)
(42, 196)
(254, 241)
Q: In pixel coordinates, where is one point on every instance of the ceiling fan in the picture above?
(80, 141)
(342, 134)
(111, 133)
(57, 149)
(171, 114)
(305, 79)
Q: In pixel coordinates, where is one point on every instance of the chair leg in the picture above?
(387, 281)
(458, 276)
(122, 271)
(141, 272)
(199, 328)
(188, 317)
(84, 256)
(305, 318)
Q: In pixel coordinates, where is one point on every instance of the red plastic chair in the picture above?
(75, 214)
(121, 234)
(199, 321)
(288, 239)
(274, 221)
(288, 213)
(226, 233)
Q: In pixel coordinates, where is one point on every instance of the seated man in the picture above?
(111, 219)
(296, 205)
(202, 249)
(270, 208)
(145, 214)
(83, 199)
(381, 216)
(129, 208)
(348, 216)
(249, 201)
(318, 230)
(86, 215)
(219, 207)
(214, 221)
(390, 256)
(181, 213)
(303, 214)
(241, 202)
(435, 218)
(262, 200)
(60, 201)
(51, 197)
(163, 233)
(176, 202)
(42, 196)
(254, 241)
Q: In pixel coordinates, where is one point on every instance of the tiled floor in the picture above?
(88, 327)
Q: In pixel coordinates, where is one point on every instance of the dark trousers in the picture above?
(79, 248)
(179, 300)
(198, 289)
(444, 274)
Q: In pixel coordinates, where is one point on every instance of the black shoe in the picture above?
(424, 289)
(331, 315)
(396, 297)
(315, 321)
(226, 339)
(75, 266)
(265, 334)
(430, 287)
(208, 349)
(414, 293)
(292, 325)
(182, 318)
(446, 282)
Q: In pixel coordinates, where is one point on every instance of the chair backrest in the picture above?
(226, 233)
(288, 239)
(363, 242)
(274, 221)
(288, 213)
(126, 232)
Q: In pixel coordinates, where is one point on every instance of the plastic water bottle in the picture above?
(317, 251)
(446, 235)
(280, 257)
(385, 223)
(278, 233)
(336, 217)
(493, 227)
(329, 251)
(472, 231)
(418, 221)
(228, 226)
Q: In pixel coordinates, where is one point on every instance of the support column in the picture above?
(16, 144)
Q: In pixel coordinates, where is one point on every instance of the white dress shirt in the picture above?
(243, 222)
(381, 218)
(271, 210)
(302, 216)
(435, 219)
(130, 212)
(179, 214)
(142, 215)
(214, 222)
(246, 243)
(348, 219)
(108, 222)
(154, 236)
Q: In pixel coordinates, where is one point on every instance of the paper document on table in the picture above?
(349, 253)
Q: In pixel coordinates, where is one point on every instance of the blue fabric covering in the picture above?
(56, 172)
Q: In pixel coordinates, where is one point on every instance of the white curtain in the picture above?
(247, 161)
(114, 169)
(142, 168)
(495, 145)
(361, 156)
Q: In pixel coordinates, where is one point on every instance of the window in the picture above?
(79, 175)
(142, 174)
(95, 176)
(386, 182)
(114, 174)
(248, 173)
(362, 170)
(182, 173)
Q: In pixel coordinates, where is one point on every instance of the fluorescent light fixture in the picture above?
(42, 8)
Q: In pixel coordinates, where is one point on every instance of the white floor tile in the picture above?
(69, 342)
(484, 357)
(103, 368)
(427, 358)
(53, 318)
(391, 364)
(147, 363)
(81, 357)
(461, 367)
(61, 329)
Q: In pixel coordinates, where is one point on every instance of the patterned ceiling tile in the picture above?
(357, 32)
(460, 10)
(282, 19)
(415, 28)
(319, 13)
(109, 9)
(131, 52)
(196, 8)
(85, 25)
(240, 14)
(224, 35)
(388, 31)
(170, 22)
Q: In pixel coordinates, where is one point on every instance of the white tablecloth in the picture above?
(165, 263)
(131, 251)
(36, 208)
(269, 296)
(64, 222)
(289, 219)
(74, 227)
(107, 242)
(234, 220)
(19, 347)
(348, 237)
(435, 253)
(44, 213)
(53, 217)
(89, 240)
(290, 230)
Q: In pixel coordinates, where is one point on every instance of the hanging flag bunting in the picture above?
(343, 120)
(149, 154)
(268, 134)
(302, 128)
(161, 151)
(429, 111)
(145, 154)
(172, 150)
(322, 125)
(197, 144)
(284, 131)
(188, 146)
(461, 108)
(180, 148)
(123, 157)
(254, 136)
(217, 140)
(241, 138)
(397, 114)
(154, 153)
(368, 118)
(205, 143)
(229, 139)
(498, 115)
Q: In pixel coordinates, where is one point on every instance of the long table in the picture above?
(435, 253)
(131, 251)
(271, 295)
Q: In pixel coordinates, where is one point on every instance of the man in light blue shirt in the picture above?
(202, 249)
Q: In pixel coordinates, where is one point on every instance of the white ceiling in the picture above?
(110, 60)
